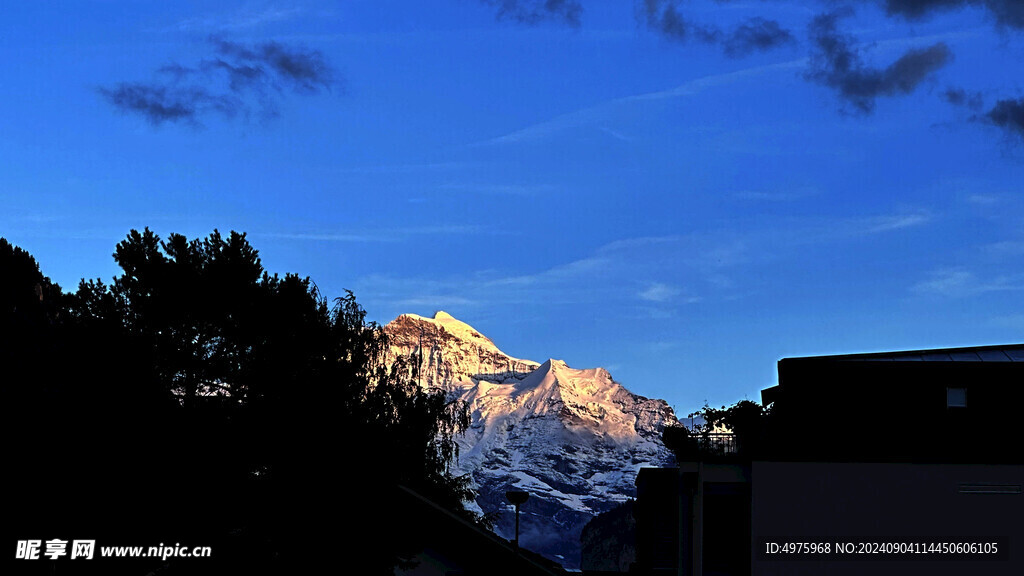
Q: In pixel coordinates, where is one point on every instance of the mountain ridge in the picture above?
(573, 438)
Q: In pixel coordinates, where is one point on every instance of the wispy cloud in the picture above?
(237, 80)
(984, 199)
(617, 274)
(661, 346)
(836, 58)
(411, 168)
(533, 12)
(892, 222)
(1008, 114)
(597, 113)
(327, 237)
(960, 282)
(1006, 12)
(1014, 321)
(774, 196)
(836, 62)
(1004, 248)
(795, 234)
(502, 189)
(387, 234)
(659, 292)
(160, 104)
(968, 99)
(699, 85)
(615, 134)
(755, 34)
(646, 276)
(244, 19)
(570, 271)
(435, 302)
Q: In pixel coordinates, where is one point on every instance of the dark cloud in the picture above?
(175, 71)
(756, 34)
(160, 104)
(664, 17)
(1008, 115)
(836, 63)
(965, 98)
(302, 70)
(1006, 12)
(753, 35)
(915, 9)
(533, 12)
(239, 79)
(154, 102)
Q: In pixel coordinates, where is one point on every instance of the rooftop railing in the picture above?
(716, 443)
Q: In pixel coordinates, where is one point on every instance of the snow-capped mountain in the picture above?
(574, 439)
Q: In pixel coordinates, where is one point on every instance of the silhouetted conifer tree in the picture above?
(199, 398)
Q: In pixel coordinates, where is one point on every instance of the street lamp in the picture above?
(516, 497)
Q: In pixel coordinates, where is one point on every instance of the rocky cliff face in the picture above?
(574, 439)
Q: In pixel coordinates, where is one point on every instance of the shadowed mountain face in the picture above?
(574, 439)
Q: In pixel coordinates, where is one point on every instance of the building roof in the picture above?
(478, 551)
(1000, 353)
(1004, 355)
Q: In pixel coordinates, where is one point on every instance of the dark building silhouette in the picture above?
(658, 528)
(870, 459)
(451, 546)
(952, 405)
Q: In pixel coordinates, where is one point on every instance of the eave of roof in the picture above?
(998, 353)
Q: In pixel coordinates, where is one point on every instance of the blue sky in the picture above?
(682, 192)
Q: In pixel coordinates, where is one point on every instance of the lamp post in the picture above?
(516, 497)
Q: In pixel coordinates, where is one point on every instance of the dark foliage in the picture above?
(199, 399)
(748, 421)
(608, 541)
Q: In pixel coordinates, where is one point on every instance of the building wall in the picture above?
(885, 502)
(826, 409)
(657, 510)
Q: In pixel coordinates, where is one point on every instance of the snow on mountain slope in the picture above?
(454, 354)
(574, 439)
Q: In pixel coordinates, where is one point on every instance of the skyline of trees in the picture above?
(198, 398)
